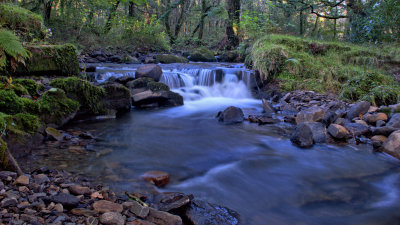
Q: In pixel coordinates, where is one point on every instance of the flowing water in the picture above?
(252, 169)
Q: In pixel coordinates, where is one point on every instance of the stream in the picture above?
(254, 170)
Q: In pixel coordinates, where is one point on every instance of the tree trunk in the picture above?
(131, 10)
(232, 26)
(301, 23)
(111, 16)
(47, 4)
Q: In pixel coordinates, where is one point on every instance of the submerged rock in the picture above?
(231, 115)
(158, 178)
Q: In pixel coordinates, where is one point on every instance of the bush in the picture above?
(11, 47)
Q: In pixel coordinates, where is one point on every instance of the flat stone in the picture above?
(139, 210)
(5, 174)
(54, 134)
(379, 138)
(112, 218)
(67, 200)
(204, 213)
(104, 206)
(79, 190)
(22, 180)
(59, 208)
(164, 218)
(83, 212)
(171, 201)
(158, 178)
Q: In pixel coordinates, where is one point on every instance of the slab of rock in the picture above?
(313, 114)
(104, 206)
(172, 200)
(392, 145)
(22, 180)
(394, 121)
(151, 70)
(358, 109)
(163, 218)
(338, 131)
(231, 115)
(158, 178)
(112, 218)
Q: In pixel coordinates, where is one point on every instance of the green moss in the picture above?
(54, 106)
(171, 59)
(30, 85)
(16, 88)
(88, 95)
(202, 54)
(3, 149)
(148, 83)
(10, 103)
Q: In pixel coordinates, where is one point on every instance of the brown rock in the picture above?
(379, 138)
(79, 190)
(392, 145)
(373, 118)
(362, 122)
(59, 208)
(139, 210)
(163, 218)
(313, 114)
(139, 222)
(158, 178)
(104, 206)
(22, 180)
(54, 134)
(338, 131)
(83, 212)
(112, 218)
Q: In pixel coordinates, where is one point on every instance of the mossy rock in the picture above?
(202, 55)
(56, 108)
(25, 23)
(60, 60)
(89, 96)
(10, 103)
(30, 85)
(171, 59)
(18, 89)
(147, 83)
(118, 97)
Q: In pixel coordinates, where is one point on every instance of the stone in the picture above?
(118, 97)
(59, 208)
(158, 178)
(356, 129)
(8, 202)
(340, 121)
(373, 118)
(54, 134)
(139, 210)
(358, 109)
(302, 136)
(330, 117)
(204, 213)
(104, 206)
(392, 145)
(172, 201)
(112, 218)
(313, 114)
(386, 130)
(380, 123)
(394, 121)
(91, 221)
(79, 190)
(268, 109)
(362, 122)
(22, 180)
(83, 212)
(231, 115)
(166, 58)
(124, 79)
(373, 109)
(151, 99)
(139, 222)
(151, 70)
(338, 131)
(5, 174)
(67, 200)
(267, 120)
(379, 138)
(41, 178)
(163, 218)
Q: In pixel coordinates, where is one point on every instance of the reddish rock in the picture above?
(104, 206)
(22, 180)
(112, 218)
(79, 190)
(158, 178)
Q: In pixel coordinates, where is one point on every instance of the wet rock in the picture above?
(231, 115)
(330, 117)
(394, 121)
(22, 180)
(392, 145)
(67, 200)
(163, 218)
(104, 206)
(152, 71)
(172, 201)
(166, 59)
(373, 118)
(203, 213)
(151, 99)
(139, 210)
(338, 131)
(302, 136)
(268, 109)
(313, 114)
(158, 178)
(54, 134)
(118, 97)
(267, 120)
(358, 109)
(356, 129)
(79, 190)
(112, 218)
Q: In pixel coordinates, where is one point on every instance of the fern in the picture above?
(12, 47)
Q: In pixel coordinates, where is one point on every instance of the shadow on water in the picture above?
(252, 169)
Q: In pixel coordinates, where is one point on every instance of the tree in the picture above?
(233, 23)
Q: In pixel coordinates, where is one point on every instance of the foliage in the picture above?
(88, 95)
(11, 47)
(254, 24)
(30, 85)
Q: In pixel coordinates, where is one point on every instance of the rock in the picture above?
(59, 208)
(302, 136)
(172, 201)
(373, 118)
(313, 114)
(158, 178)
(394, 121)
(330, 117)
(79, 190)
(362, 122)
(5, 174)
(231, 115)
(392, 145)
(41, 178)
(356, 129)
(163, 218)
(104, 206)
(67, 200)
(373, 109)
(386, 131)
(203, 213)
(90, 69)
(112, 218)
(149, 60)
(380, 123)
(379, 138)
(92, 221)
(267, 120)
(124, 79)
(340, 121)
(118, 97)
(358, 109)
(151, 70)
(115, 59)
(83, 212)
(268, 109)
(130, 59)
(22, 180)
(338, 131)
(202, 55)
(171, 59)
(229, 56)
(8, 202)
(139, 222)
(54, 134)
(139, 210)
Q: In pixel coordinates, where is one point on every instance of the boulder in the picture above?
(379, 138)
(118, 97)
(158, 178)
(151, 71)
(338, 131)
(204, 213)
(386, 131)
(356, 129)
(22, 180)
(302, 136)
(358, 109)
(394, 121)
(313, 114)
(330, 117)
(166, 58)
(231, 115)
(373, 118)
(229, 56)
(124, 79)
(130, 59)
(202, 55)
(392, 145)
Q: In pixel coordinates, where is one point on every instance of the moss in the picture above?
(148, 83)
(16, 88)
(171, 59)
(30, 85)
(51, 60)
(54, 106)
(202, 54)
(88, 95)
(3, 150)
(10, 103)
(26, 23)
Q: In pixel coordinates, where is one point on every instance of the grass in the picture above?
(353, 72)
